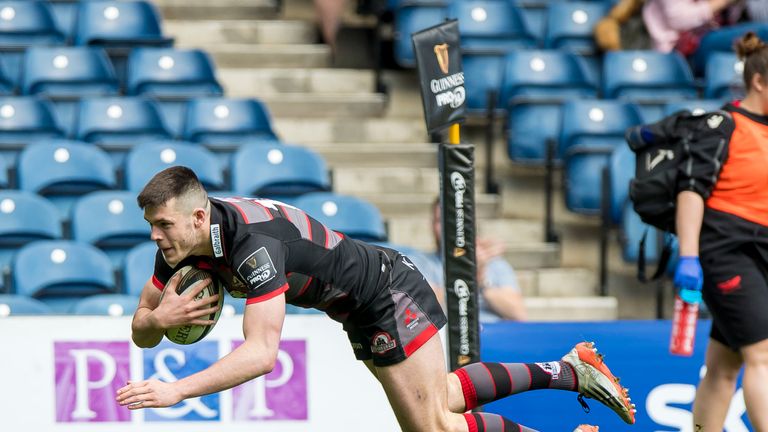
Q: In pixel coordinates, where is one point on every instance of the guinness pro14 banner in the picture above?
(457, 185)
(438, 60)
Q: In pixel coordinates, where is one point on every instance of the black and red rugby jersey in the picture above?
(264, 248)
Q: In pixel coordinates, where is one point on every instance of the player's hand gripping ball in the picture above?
(191, 333)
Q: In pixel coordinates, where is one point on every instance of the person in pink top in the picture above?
(667, 20)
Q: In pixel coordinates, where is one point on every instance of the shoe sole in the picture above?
(587, 354)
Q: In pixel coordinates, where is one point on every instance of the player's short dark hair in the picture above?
(169, 183)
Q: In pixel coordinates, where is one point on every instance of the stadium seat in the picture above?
(60, 272)
(483, 71)
(490, 25)
(4, 179)
(171, 73)
(117, 124)
(534, 86)
(632, 231)
(138, 267)
(570, 25)
(146, 160)
(119, 26)
(591, 130)
(14, 304)
(63, 170)
(723, 78)
(226, 123)
(723, 40)
(25, 119)
(696, 106)
(71, 72)
(27, 23)
(106, 304)
(278, 171)
(412, 17)
(621, 169)
(647, 76)
(25, 217)
(349, 215)
(110, 220)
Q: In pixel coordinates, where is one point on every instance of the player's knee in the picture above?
(723, 372)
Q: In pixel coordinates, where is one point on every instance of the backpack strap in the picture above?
(664, 257)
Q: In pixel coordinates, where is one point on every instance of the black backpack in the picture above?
(660, 149)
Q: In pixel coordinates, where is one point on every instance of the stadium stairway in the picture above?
(375, 144)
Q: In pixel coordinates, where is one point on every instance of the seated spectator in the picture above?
(329, 14)
(680, 24)
(499, 296)
(622, 28)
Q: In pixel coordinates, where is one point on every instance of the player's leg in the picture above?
(755, 376)
(416, 389)
(581, 370)
(713, 395)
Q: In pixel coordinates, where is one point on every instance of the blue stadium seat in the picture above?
(632, 231)
(570, 25)
(14, 304)
(25, 119)
(124, 24)
(138, 267)
(535, 85)
(117, 124)
(4, 179)
(8, 76)
(27, 23)
(60, 272)
(490, 25)
(278, 171)
(119, 26)
(110, 220)
(413, 17)
(723, 78)
(171, 73)
(226, 123)
(146, 160)
(723, 40)
(591, 131)
(696, 106)
(106, 305)
(647, 76)
(25, 217)
(621, 169)
(63, 170)
(483, 71)
(349, 215)
(72, 72)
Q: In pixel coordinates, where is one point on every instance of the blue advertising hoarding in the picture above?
(661, 385)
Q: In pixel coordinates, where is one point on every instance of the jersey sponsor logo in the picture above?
(257, 269)
(382, 342)
(218, 250)
(411, 319)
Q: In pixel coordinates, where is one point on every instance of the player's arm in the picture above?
(154, 315)
(262, 325)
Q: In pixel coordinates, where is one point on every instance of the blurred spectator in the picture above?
(499, 296)
(680, 24)
(329, 19)
(757, 10)
(622, 28)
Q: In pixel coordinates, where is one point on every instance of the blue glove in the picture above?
(689, 278)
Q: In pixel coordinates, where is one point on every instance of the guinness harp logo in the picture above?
(441, 52)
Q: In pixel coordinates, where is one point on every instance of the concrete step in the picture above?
(313, 105)
(558, 282)
(214, 32)
(269, 56)
(408, 203)
(223, 10)
(571, 308)
(365, 131)
(385, 180)
(291, 81)
(533, 255)
(417, 230)
(407, 155)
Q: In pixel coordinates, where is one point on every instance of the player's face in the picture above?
(173, 230)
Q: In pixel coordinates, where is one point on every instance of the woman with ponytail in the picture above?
(722, 226)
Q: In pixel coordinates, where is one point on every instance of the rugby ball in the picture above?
(189, 334)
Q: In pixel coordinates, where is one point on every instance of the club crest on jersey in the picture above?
(257, 269)
(382, 342)
(218, 250)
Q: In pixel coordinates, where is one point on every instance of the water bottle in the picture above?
(683, 327)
